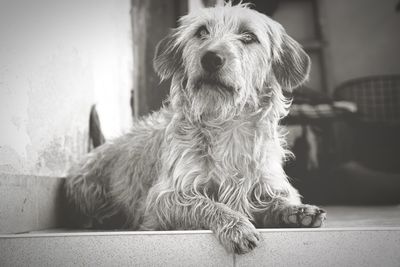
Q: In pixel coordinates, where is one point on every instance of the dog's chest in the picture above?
(222, 154)
(228, 150)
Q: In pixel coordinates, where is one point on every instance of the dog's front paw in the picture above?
(303, 216)
(238, 236)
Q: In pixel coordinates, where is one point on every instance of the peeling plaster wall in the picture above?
(57, 58)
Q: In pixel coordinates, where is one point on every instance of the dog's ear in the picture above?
(292, 65)
(168, 57)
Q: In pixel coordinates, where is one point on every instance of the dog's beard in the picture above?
(214, 84)
(211, 101)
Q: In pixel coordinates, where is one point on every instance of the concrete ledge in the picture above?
(280, 247)
(114, 249)
(327, 247)
(29, 203)
(359, 236)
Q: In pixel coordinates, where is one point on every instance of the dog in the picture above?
(212, 157)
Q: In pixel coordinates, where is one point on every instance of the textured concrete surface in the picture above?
(279, 247)
(359, 216)
(198, 248)
(326, 247)
(29, 203)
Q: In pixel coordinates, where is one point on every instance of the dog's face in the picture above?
(226, 59)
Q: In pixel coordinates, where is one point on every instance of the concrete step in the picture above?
(353, 236)
(368, 246)
(29, 202)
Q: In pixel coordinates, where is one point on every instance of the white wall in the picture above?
(57, 58)
(364, 38)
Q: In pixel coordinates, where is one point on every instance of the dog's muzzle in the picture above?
(212, 61)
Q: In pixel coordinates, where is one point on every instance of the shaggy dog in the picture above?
(212, 157)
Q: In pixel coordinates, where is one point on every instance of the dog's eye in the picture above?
(248, 38)
(202, 32)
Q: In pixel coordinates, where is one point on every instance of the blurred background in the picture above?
(74, 74)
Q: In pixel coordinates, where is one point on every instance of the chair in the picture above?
(377, 97)
(371, 174)
(376, 128)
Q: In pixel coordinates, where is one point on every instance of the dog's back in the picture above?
(106, 189)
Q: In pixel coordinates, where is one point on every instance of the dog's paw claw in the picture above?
(303, 216)
(240, 238)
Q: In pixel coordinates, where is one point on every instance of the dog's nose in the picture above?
(212, 61)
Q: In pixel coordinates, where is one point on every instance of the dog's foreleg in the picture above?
(282, 212)
(234, 230)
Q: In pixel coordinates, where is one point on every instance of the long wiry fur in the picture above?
(212, 157)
